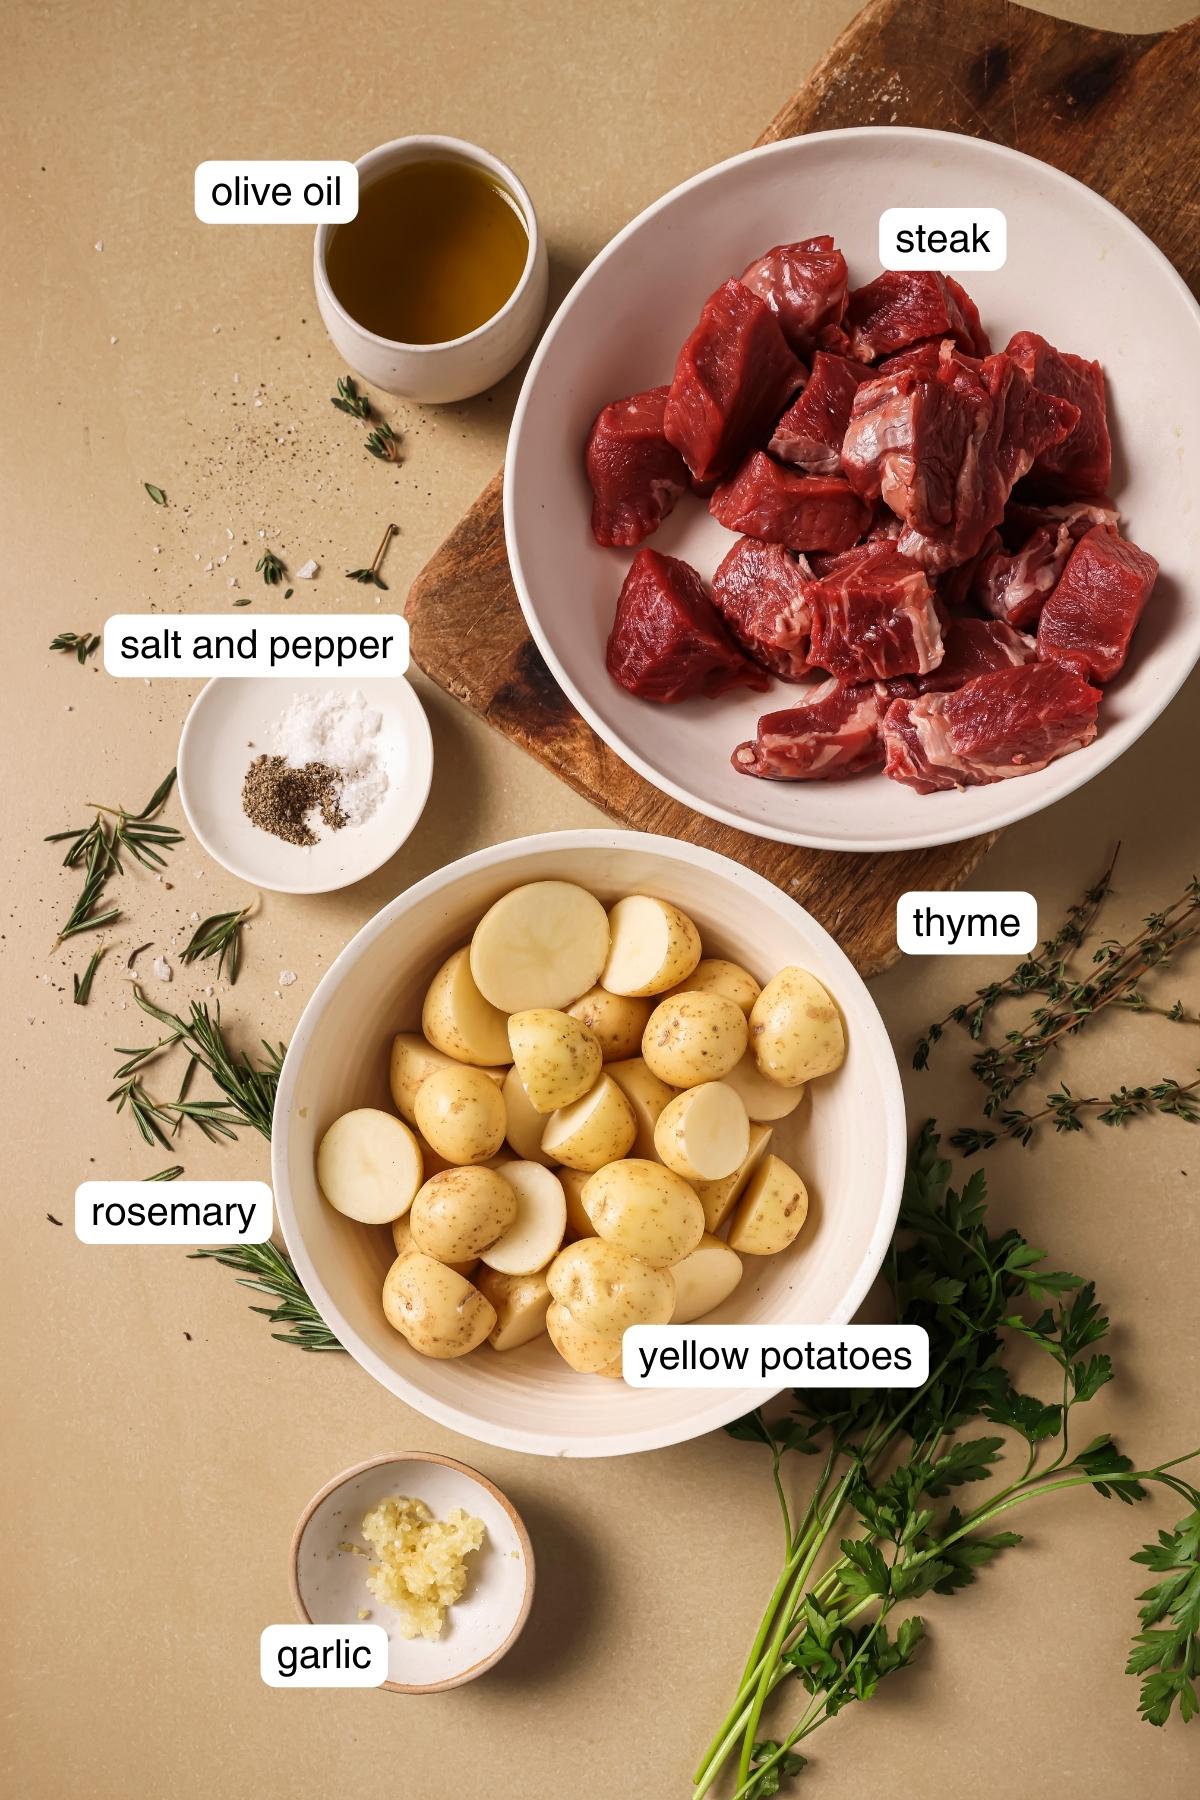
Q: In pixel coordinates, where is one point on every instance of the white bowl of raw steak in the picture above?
(1077, 272)
(847, 1139)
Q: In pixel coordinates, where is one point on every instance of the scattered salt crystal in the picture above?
(307, 570)
(208, 567)
(258, 402)
(237, 378)
(262, 534)
(112, 340)
(216, 329)
(232, 580)
(162, 969)
(195, 556)
(229, 533)
(286, 977)
(99, 244)
(209, 991)
(194, 918)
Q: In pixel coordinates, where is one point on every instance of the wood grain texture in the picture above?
(1112, 110)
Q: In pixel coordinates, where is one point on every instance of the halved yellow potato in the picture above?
(645, 1209)
(796, 1030)
(593, 1131)
(556, 1057)
(718, 1198)
(540, 1224)
(616, 1020)
(439, 1312)
(460, 1111)
(524, 1123)
(573, 1183)
(653, 946)
(704, 1133)
(693, 1038)
(647, 1095)
(704, 1279)
(771, 1212)
(543, 944)
(413, 1058)
(402, 1238)
(765, 1100)
(607, 1289)
(521, 1303)
(713, 975)
(369, 1166)
(582, 1349)
(458, 1213)
(457, 1019)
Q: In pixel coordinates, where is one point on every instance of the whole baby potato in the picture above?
(437, 1311)
(457, 1019)
(796, 1029)
(402, 1238)
(693, 1038)
(583, 1350)
(644, 1209)
(616, 1021)
(606, 1289)
(460, 1111)
(460, 1212)
(712, 975)
(556, 1057)
(521, 1303)
(413, 1058)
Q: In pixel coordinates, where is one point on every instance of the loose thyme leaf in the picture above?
(271, 568)
(155, 493)
(366, 576)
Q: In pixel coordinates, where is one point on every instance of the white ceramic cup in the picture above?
(462, 366)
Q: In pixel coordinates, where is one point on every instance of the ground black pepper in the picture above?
(278, 798)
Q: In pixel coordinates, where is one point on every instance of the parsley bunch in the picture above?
(890, 1519)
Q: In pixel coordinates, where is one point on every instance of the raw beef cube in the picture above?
(903, 306)
(1021, 518)
(1082, 463)
(761, 592)
(833, 734)
(1015, 587)
(943, 449)
(1087, 622)
(810, 432)
(805, 512)
(976, 647)
(804, 285)
(667, 641)
(1012, 722)
(874, 620)
(636, 475)
(733, 378)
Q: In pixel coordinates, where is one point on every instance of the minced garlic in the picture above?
(422, 1566)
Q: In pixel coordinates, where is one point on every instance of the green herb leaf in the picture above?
(155, 493)
(267, 1270)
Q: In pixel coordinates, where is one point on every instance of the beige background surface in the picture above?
(159, 1445)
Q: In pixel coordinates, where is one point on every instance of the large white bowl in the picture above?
(1078, 271)
(847, 1138)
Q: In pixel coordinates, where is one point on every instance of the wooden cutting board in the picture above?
(1120, 113)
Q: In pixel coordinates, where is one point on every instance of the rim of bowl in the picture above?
(448, 1462)
(1009, 807)
(420, 738)
(723, 1404)
(452, 149)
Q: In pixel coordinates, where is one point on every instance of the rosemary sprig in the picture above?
(248, 1092)
(82, 984)
(97, 849)
(220, 936)
(156, 493)
(271, 567)
(349, 400)
(372, 574)
(83, 643)
(267, 1270)
(385, 443)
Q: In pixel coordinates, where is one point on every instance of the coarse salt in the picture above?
(342, 731)
(162, 969)
(307, 570)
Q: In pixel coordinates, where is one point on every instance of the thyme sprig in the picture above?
(875, 1534)
(267, 1270)
(82, 643)
(97, 849)
(1071, 996)
(220, 935)
(372, 575)
(349, 400)
(385, 443)
(272, 568)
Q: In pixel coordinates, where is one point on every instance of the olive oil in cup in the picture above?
(437, 288)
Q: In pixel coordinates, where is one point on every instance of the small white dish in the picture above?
(329, 1583)
(1078, 271)
(231, 723)
(460, 367)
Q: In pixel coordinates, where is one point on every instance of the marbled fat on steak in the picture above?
(1009, 723)
(761, 592)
